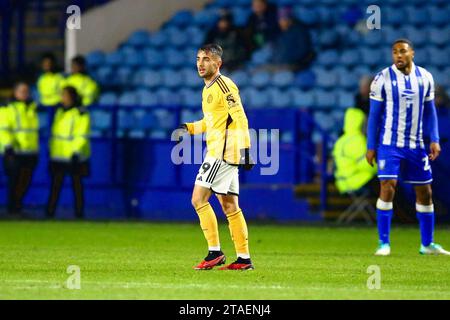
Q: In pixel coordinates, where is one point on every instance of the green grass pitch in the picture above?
(154, 261)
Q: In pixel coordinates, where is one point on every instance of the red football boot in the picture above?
(213, 259)
(239, 264)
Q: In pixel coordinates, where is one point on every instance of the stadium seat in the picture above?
(146, 98)
(190, 78)
(107, 99)
(168, 97)
(393, 16)
(302, 99)
(349, 57)
(256, 98)
(175, 58)
(282, 79)
(103, 75)
(101, 120)
(325, 79)
(361, 71)
(95, 59)
(241, 78)
(438, 16)
(195, 35)
(206, 18)
(328, 58)
(370, 56)
(182, 18)
(261, 56)
(418, 36)
(279, 98)
(123, 76)
(260, 79)
(421, 57)
(153, 58)
(329, 38)
(158, 39)
(438, 58)
(127, 99)
(114, 58)
(305, 79)
(240, 16)
(345, 99)
(190, 98)
(165, 119)
(347, 80)
(308, 16)
(177, 37)
(390, 34)
(151, 79)
(325, 99)
(373, 38)
(417, 16)
(171, 79)
(125, 120)
(439, 37)
(139, 38)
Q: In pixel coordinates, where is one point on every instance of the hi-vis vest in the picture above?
(19, 127)
(86, 87)
(70, 135)
(49, 86)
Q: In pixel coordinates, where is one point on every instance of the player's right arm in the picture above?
(196, 127)
(376, 108)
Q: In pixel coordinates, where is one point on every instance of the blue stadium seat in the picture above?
(114, 58)
(240, 16)
(325, 98)
(438, 58)
(393, 16)
(144, 120)
(182, 18)
(439, 36)
(350, 57)
(302, 99)
(190, 98)
(373, 38)
(421, 57)
(308, 16)
(206, 18)
(153, 58)
(175, 58)
(191, 79)
(196, 36)
(417, 16)
(329, 38)
(282, 79)
(103, 75)
(324, 78)
(188, 116)
(327, 15)
(438, 16)
(345, 99)
(261, 56)
(123, 76)
(254, 98)
(127, 98)
(260, 79)
(151, 79)
(177, 37)
(107, 99)
(279, 98)
(390, 34)
(168, 97)
(418, 36)
(241, 78)
(95, 59)
(165, 119)
(158, 39)
(328, 58)
(171, 79)
(361, 71)
(305, 79)
(43, 120)
(139, 38)
(371, 56)
(101, 120)
(146, 98)
(348, 80)
(125, 120)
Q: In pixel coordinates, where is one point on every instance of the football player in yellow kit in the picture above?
(228, 144)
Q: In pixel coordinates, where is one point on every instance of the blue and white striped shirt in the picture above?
(403, 98)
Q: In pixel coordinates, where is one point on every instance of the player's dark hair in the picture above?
(212, 48)
(404, 40)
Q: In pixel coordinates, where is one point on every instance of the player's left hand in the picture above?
(246, 161)
(435, 150)
(179, 132)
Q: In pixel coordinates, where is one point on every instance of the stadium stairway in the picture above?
(336, 202)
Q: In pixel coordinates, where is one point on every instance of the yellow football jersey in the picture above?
(224, 120)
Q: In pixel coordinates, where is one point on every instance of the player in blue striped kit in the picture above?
(402, 110)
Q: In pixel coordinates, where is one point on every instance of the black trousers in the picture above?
(19, 169)
(58, 171)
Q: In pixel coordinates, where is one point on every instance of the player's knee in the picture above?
(198, 201)
(387, 190)
(425, 196)
(229, 207)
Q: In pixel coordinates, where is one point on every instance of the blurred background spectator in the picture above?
(50, 82)
(362, 97)
(230, 39)
(262, 25)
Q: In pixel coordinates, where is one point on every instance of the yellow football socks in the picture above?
(208, 223)
(239, 233)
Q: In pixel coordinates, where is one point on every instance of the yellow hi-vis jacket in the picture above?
(86, 87)
(19, 127)
(349, 153)
(49, 86)
(70, 134)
